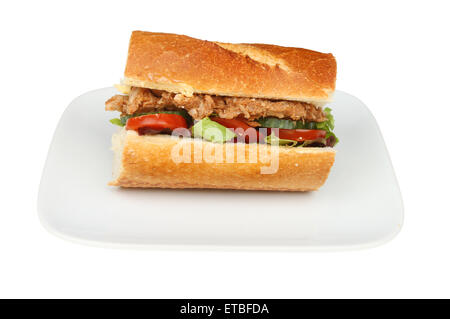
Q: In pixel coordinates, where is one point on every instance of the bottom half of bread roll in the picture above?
(164, 161)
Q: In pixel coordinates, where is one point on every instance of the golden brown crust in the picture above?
(178, 63)
(146, 161)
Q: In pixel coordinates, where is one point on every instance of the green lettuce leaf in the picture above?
(116, 122)
(212, 131)
(328, 125)
(336, 140)
(272, 139)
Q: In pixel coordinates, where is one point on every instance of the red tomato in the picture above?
(301, 135)
(295, 135)
(156, 122)
(241, 128)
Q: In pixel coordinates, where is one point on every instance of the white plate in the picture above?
(359, 206)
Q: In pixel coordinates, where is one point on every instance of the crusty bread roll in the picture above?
(181, 64)
(148, 161)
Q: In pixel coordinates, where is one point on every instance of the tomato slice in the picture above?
(241, 128)
(300, 135)
(156, 122)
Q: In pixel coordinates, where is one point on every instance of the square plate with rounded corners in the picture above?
(359, 206)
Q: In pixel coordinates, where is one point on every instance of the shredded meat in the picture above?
(203, 105)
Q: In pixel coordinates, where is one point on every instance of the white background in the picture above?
(393, 55)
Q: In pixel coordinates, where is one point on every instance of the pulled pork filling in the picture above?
(199, 106)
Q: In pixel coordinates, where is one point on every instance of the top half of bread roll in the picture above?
(181, 64)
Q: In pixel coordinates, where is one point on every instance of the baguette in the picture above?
(167, 72)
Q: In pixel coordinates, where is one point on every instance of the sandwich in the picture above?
(201, 114)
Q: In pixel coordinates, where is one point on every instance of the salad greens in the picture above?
(212, 131)
(116, 122)
(327, 125)
(273, 139)
(215, 132)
